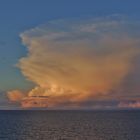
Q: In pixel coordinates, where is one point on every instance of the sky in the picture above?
(23, 22)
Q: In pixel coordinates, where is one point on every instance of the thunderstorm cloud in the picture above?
(80, 63)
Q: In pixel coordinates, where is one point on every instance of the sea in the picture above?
(69, 125)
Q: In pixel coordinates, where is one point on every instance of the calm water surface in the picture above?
(69, 125)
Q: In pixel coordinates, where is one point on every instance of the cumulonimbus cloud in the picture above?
(72, 62)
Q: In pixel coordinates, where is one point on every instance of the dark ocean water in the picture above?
(69, 125)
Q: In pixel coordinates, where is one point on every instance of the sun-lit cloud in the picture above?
(15, 95)
(74, 62)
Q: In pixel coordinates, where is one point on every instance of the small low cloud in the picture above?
(129, 104)
(15, 95)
